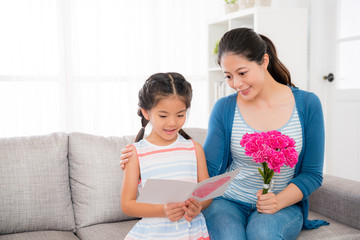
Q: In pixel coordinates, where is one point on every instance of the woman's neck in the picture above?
(272, 91)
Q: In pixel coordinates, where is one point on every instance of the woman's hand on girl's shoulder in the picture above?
(126, 154)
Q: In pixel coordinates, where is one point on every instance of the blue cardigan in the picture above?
(308, 170)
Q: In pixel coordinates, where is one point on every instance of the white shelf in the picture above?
(286, 27)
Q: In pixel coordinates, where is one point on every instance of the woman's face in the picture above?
(244, 76)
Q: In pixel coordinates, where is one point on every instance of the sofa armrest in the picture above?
(338, 199)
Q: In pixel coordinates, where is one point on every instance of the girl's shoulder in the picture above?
(183, 141)
(190, 143)
(198, 147)
(139, 144)
(141, 147)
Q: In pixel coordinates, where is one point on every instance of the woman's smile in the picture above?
(244, 91)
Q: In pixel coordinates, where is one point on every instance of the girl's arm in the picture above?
(129, 191)
(202, 171)
(193, 207)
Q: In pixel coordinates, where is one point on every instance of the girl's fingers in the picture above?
(193, 205)
(187, 210)
(174, 211)
(176, 216)
(172, 208)
(191, 209)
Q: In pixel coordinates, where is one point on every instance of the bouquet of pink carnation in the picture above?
(273, 150)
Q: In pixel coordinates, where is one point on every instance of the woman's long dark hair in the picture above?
(253, 46)
(159, 86)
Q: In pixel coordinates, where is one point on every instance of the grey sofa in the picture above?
(68, 186)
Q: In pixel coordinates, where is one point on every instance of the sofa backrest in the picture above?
(198, 134)
(34, 184)
(96, 178)
(63, 182)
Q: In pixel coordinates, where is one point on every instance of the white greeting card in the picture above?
(161, 191)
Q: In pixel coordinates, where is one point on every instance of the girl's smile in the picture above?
(170, 131)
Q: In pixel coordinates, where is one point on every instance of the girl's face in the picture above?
(166, 118)
(244, 76)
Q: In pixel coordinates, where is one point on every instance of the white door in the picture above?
(339, 54)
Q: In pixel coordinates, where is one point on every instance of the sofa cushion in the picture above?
(338, 198)
(42, 235)
(334, 231)
(198, 134)
(96, 178)
(108, 231)
(34, 184)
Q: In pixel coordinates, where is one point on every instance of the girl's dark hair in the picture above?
(159, 86)
(253, 46)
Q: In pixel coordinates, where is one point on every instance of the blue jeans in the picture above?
(229, 220)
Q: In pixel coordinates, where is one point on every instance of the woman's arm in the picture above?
(309, 175)
(215, 143)
(129, 191)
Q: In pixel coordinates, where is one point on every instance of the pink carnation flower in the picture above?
(272, 149)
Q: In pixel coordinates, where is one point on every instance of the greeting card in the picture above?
(161, 191)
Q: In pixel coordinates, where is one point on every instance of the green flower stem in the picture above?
(267, 175)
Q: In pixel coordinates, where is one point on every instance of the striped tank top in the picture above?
(176, 161)
(248, 181)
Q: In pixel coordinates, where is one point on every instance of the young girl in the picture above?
(167, 153)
